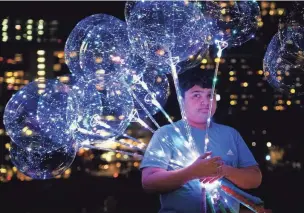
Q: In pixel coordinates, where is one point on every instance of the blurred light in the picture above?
(57, 67)
(4, 38)
(264, 4)
(292, 91)
(4, 27)
(253, 143)
(204, 61)
(267, 157)
(40, 52)
(41, 66)
(41, 72)
(68, 171)
(265, 108)
(18, 27)
(245, 84)
(288, 102)
(231, 73)
(266, 73)
(233, 96)
(217, 60)
(41, 59)
(233, 102)
(268, 144)
(272, 12)
(5, 21)
(218, 97)
(30, 21)
(272, 5)
(14, 169)
(280, 11)
(8, 146)
(61, 55)
(64, 79)
(29, 27)
(260, 72)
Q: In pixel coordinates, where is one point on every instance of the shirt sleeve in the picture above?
(158, 152)
(245, 157)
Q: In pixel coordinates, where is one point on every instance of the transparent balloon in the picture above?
(98, 112)
(157, 89)
(51, 111)
(135, 66)
(159, 30)
(75, 39)
(232, 21)
(26, 128)
(41, 163)
(284, 61)
(105, 53)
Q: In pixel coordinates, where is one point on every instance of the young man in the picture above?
(180, 188)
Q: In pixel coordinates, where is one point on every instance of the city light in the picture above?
(267, 157)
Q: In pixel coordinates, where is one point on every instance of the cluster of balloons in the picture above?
(119, 75)
(112, 62)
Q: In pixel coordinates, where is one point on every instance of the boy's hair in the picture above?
(195, 76)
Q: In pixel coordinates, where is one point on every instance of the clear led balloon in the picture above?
(284, 61)
(135, 66)
(98, 112)
(41, 163)
(26, 128)
(232, 21)
(105, 53)
(75, 39)
(51, 111)
(159, 30)
(157, 86)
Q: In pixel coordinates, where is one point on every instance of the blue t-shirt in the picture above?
(166, 149)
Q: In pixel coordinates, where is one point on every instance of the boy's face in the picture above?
(197, 102)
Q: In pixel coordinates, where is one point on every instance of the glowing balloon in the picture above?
(96, 112)
(232, 21)
(159, 30)
(75, 39)
(51, 111)
(284, 61)
(26, 128)
(105, 53)
(40, 163)
(157, 86)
